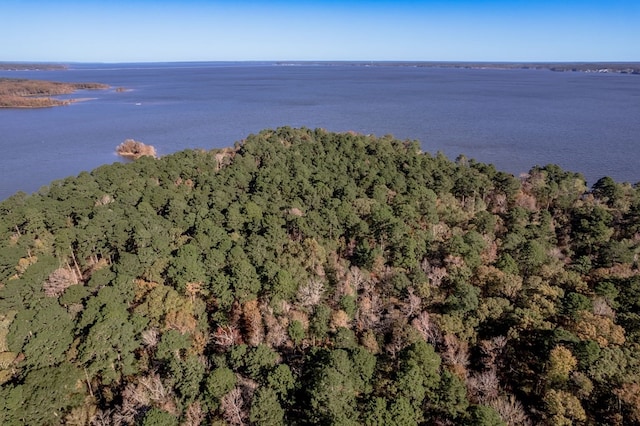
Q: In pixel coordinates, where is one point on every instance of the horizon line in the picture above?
(398, 61)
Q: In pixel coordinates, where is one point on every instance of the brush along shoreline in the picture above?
(24, 93)
(132, 150)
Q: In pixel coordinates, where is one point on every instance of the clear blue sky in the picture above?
(211, 30)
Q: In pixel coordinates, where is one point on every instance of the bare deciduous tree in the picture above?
(492, 349)
(154, 387)
(484, 387)
(102, 418)
(356, 278)
(276, 327)
(412, 303)
(511, 411)
(134, 396)
(232, 408)
(226, 336)
(369, 310)
(58, 281)
(132, 401)
(150, 337)
(427, 328)
(456, 354)
(310, 294)
(436, 275)
(194, 416)
(601, 307)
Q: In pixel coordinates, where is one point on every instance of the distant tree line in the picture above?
(33, 66)
(601, 67)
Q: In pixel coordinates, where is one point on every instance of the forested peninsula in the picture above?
(23, 93)
(309, 277)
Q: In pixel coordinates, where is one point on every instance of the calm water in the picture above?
(515, 119)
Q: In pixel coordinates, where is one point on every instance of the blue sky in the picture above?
(210, 30)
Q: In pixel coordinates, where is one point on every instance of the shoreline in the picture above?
(586, 67)
(612, 67)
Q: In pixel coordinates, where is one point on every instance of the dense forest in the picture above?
(308, 277)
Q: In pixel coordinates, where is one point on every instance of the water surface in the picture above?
(514, 119)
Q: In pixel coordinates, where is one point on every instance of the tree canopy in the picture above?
(309, 277)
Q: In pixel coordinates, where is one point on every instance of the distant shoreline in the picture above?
(589, 67)
(10, 66)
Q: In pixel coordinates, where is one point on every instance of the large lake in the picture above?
(514, 119)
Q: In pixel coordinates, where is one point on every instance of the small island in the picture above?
(24, 93)
(132, 150)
